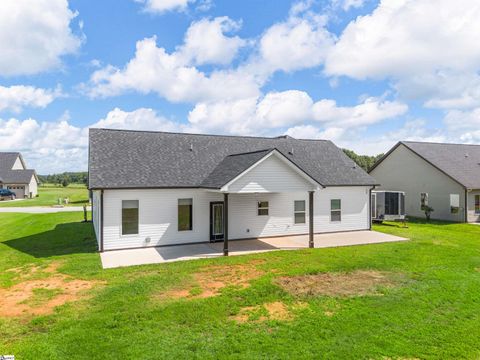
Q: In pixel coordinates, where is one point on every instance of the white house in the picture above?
(15, 176)
(157, 189)
(446, 177)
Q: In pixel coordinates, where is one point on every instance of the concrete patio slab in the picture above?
(119, 258)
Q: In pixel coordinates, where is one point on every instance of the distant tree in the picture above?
(366, 162)
(65, 182)
(72, 178)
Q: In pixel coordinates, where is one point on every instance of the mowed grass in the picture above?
(48, 195)
(432, 310)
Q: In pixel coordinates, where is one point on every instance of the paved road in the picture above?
(40, 209)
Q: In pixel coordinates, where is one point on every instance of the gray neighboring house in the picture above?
(445, 177)
(15, 176)
(156, 189)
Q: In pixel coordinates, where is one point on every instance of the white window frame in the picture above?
(304, 212)
(476, 211)
(454, 203)
(263, 208)
(187, 230)
(121, 218)
(336, 211)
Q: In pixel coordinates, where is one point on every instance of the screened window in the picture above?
(185, 210)
(454, 203)
(299, 212)
(335, 210)
(477, 204)
(423, 200)
(391, 203)
(262, 208)
(129, 217)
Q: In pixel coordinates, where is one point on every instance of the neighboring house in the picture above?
(15, 176)
(445, 177)
(156, 188)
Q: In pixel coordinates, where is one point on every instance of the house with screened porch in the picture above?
(154, 189)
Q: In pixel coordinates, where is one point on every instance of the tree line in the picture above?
(65, 179)
(366, 162)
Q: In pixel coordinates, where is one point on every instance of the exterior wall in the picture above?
(271, 175)
(405, 171)
(472, 216)
(32, 187)
(18, 165)
(158, 215)
(96, 214)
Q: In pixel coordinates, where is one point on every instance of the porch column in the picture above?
(310, 219)
(225, 225)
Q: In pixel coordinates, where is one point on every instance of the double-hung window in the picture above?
(185, 212)
(129, 217)
(477, 204)
(454, 203)
(299, 212)
(262, 208)
(335, 210)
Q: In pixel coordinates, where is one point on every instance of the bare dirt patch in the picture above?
(269, 311)
(210, 280)
(41, 296)
(357, 283)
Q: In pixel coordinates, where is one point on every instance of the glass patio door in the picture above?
(216, 221)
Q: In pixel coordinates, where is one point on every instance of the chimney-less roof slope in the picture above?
(143, 159)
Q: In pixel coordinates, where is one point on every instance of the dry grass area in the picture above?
(212, 279)
(40, 290)
(357, 283)
(269, 311)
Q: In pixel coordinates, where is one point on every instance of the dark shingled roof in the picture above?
(9, 176)
(460, 161)
(145, 159)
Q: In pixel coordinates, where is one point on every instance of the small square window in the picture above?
(262, 208)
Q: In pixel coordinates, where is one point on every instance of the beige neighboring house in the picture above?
(445, 177)
(15, 176)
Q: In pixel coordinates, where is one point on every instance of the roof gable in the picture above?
(461, 162)
(142, 159)
(11, 173)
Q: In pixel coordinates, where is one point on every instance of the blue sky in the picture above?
(362, 73)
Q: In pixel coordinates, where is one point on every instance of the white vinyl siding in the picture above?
(271, 175)
(96, 216)
(405, 171)
(18, 164)
(159, 223)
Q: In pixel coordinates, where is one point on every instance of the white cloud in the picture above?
(346, 5)
(278, 110)
(140, 119)
(173, 76)
(205, 42)
(35, 35)
(162, 6)
(60, 146)
(15, 98)
(302, 41)
(402, 38)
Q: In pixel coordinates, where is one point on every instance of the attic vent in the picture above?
(466, 155)
(191, 147)
(291, 152)
(283, 137)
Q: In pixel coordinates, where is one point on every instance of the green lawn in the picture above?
(432, 309)
(48, 196)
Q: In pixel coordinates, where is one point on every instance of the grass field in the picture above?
(48, 195)
(424, 302)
